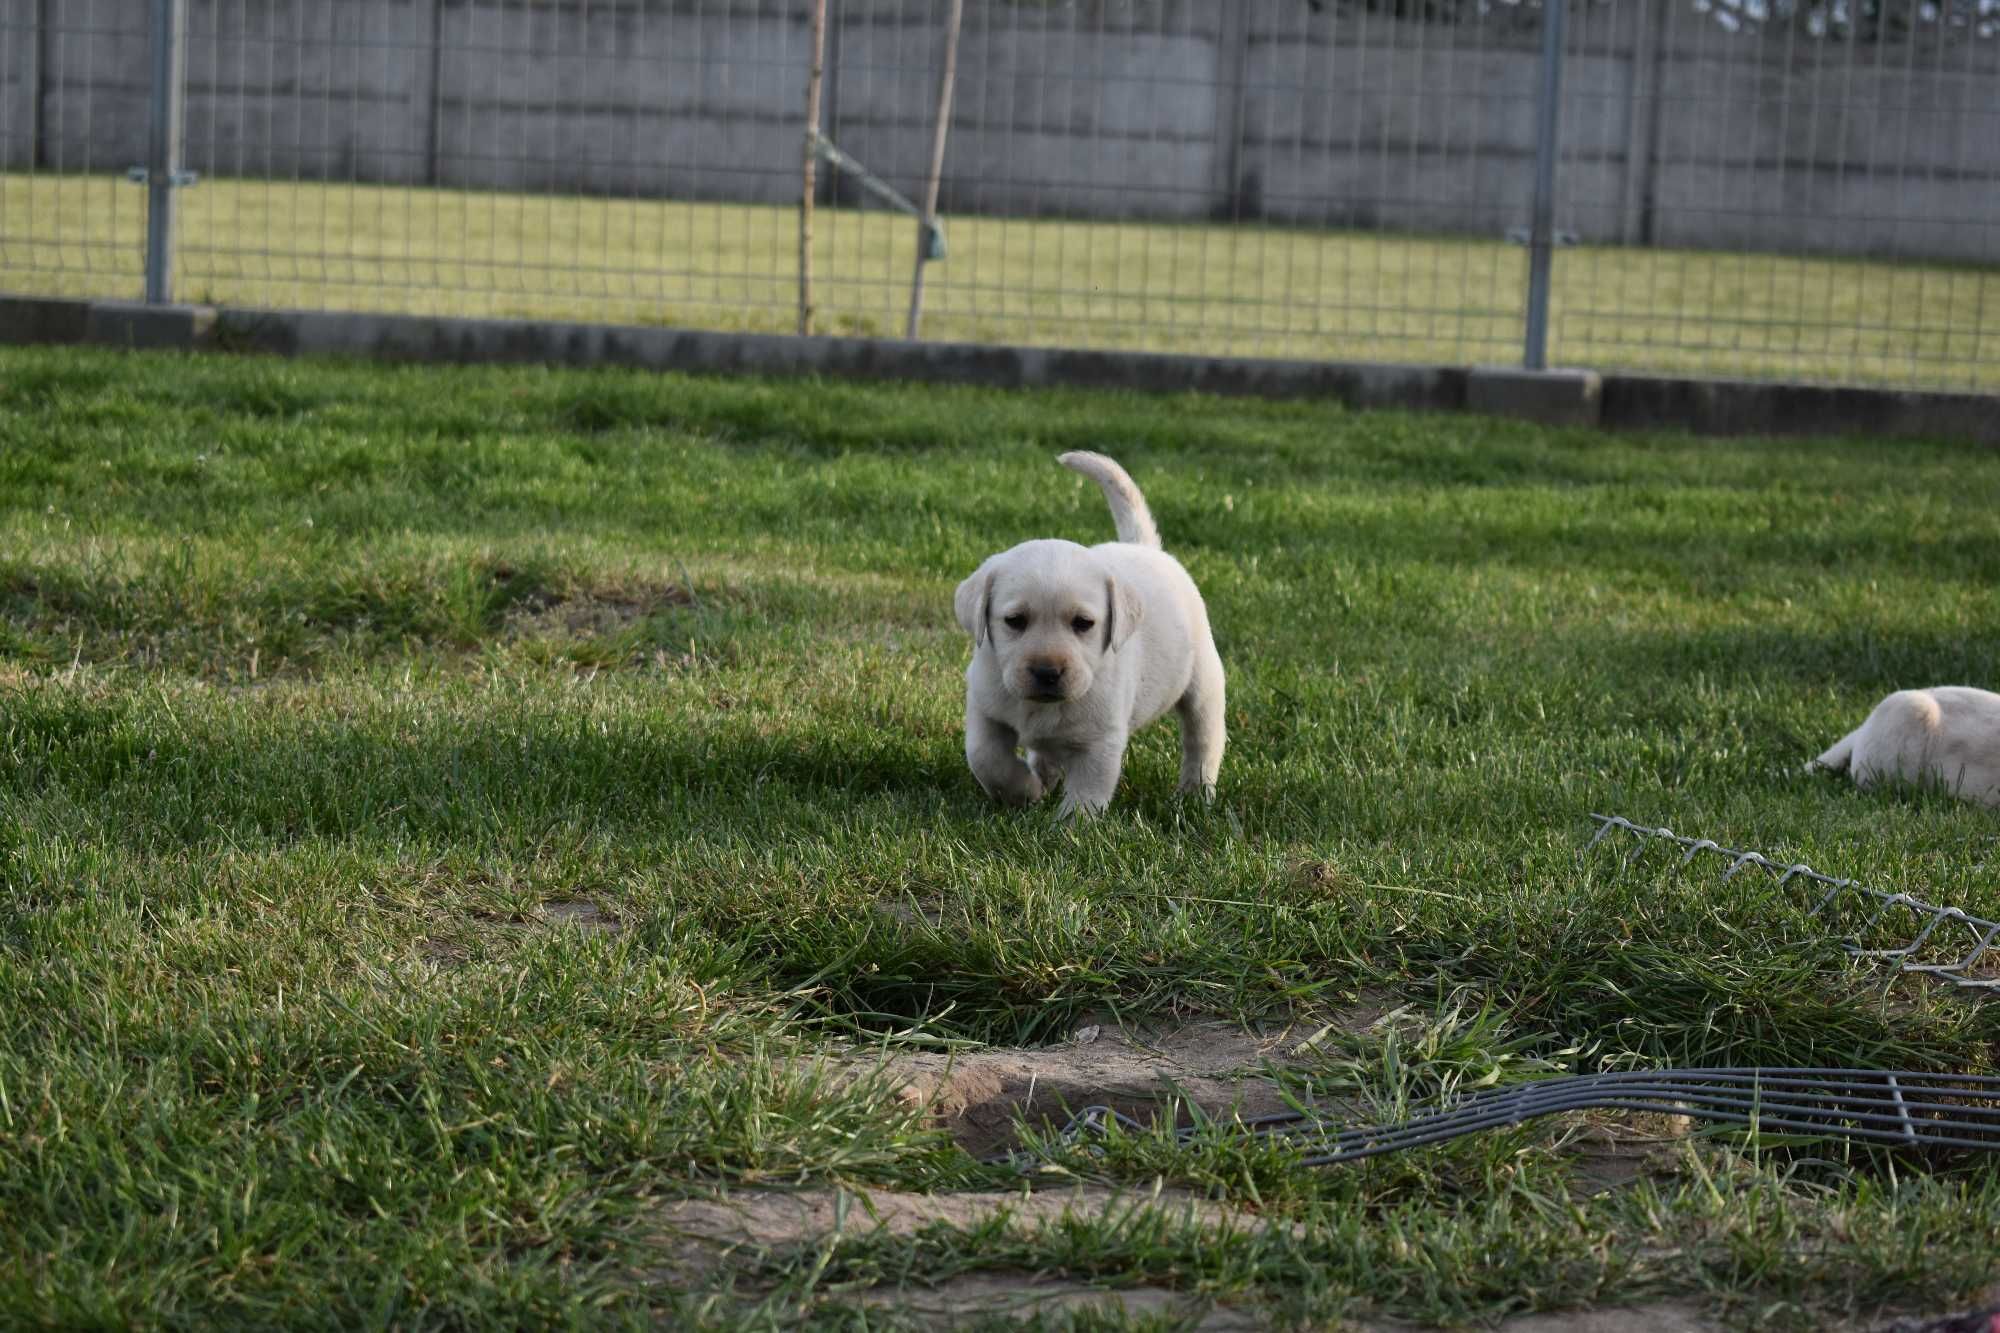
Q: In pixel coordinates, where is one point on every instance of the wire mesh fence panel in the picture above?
(1267, 178)
(1784, 188)
(1913, 1110)
(1750, 186)
(577, 159)
(73, 122)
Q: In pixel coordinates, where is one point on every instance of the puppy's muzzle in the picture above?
(1045, 682)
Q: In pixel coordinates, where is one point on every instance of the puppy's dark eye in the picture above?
(1082, 624)
(1016, 622)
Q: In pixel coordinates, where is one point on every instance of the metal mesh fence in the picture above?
(70, 221)
(1906, 1109)
(585, 162)
(1739, 186)
(1770, 188)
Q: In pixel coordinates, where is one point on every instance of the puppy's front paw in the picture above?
(1090, 780)
(1016, 785)
(1196, 787)
(989, 750)
(1025, 792)
(1073, 811)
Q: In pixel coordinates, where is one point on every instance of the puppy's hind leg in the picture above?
(1046, 767)
(989, 750)
(1203, 733)
(1838, 756)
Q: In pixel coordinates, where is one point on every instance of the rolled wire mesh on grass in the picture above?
(1927, 931)
(1899, 1109)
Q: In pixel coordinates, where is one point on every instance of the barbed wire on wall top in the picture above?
(1861, 21)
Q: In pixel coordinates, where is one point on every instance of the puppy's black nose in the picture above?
(1048, 677)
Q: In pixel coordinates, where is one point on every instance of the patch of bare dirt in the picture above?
(580, 914)
(701, 1234)
(920, 913)
(588, 615)
(1656, 1317)
(1216, 1068)
(986, 1297)
(1984, 1319)
(445, 953)
(1664, 1317)
(1688, 1317)
(979, 1095)
(442, 954)
(1612, 1149)
(763, 1221)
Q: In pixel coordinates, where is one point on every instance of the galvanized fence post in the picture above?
(163, 157)
(1542, 230)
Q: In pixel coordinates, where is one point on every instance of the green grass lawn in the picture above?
(332, 695)
(1215, 289)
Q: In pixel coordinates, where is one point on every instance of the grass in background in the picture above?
(324, 689)
(1214, 289)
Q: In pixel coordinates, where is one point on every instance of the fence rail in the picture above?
(1747, 187)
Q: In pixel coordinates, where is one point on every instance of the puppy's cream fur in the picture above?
(1074, 648)
(1948, 736)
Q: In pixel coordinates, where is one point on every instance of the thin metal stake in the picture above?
(1542, 234)
(163, 156)
(927, 225)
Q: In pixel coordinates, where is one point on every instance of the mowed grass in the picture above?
(328, 692)
(1242, 290)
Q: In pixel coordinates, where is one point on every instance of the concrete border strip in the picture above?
(1580, 398)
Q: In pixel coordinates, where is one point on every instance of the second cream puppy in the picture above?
(1075, 648)
(1947, 736)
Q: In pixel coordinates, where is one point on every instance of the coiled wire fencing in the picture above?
(1922, 937)
(1903, 1109)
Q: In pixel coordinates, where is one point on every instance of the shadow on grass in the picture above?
(1859, 660)
(261, 774)
(800, 849)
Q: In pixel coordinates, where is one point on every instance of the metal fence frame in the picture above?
(165, 177)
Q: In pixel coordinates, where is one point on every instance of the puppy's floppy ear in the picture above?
(973, 602)
(1122, 612)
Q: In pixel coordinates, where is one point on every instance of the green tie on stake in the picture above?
(933, 230)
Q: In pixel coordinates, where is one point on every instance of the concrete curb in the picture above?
(1752, 407)
(414, 338)
(1552, 397)
(25, 320)
(1579, 398)
(136, 324)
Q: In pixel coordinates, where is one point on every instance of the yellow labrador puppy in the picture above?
(1948, 736)
(1074, 648)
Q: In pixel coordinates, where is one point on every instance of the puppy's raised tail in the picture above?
(1128, 507)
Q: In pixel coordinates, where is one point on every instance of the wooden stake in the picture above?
(808, 169)
(929, 219)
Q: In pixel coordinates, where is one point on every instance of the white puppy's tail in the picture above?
(1128, 507)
